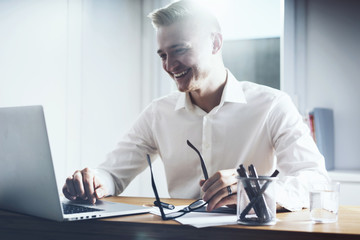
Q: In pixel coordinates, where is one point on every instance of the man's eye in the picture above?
(162, 56)
(180, 50)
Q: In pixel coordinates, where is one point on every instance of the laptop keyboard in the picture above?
(71, 209)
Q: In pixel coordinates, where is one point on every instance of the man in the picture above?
(231, 123)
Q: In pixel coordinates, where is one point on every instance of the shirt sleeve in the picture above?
(128, 159)
(107, 180)
(298, 159)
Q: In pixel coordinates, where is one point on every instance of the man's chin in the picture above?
(182, 87)
(184, 90)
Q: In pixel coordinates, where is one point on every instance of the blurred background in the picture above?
(93, 66)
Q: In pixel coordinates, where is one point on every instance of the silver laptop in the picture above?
(27, 177)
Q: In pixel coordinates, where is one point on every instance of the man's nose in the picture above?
(171, 64)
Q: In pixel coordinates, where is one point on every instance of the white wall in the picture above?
(80, 59)
(244, 19)
(321, 67)
(94, 67)
(333, 76)
(33, 62)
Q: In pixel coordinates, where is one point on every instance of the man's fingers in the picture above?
(79, 185)
(229, 200)
(222, 197)
(213, 179)
(100, 190)
(220, 179)
(218, 182)
(219, 189)
(67, 193)
(88, 181)
(69, 189)
(85, 185)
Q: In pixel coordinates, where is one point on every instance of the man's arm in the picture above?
(121, 166)
(298, 159)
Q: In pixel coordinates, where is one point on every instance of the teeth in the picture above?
(180, 74)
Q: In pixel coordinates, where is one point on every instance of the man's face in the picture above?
(186, 54)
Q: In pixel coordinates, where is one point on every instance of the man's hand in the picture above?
(84, 185)
(216, 189)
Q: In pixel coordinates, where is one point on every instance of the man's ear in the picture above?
(217, 42)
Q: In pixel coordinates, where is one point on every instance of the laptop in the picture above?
(27, 176)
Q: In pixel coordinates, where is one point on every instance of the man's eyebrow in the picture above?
(173, 46)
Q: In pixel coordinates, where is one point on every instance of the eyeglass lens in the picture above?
(197, 204)
(192, 207)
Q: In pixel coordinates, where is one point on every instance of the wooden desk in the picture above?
(292, 226)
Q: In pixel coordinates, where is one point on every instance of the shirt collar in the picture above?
(184, 101)
(232, 92)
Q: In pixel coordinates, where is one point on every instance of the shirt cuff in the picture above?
(287, 202)
(107, 180)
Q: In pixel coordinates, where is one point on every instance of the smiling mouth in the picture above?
(181, 74)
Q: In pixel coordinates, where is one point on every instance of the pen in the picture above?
(262, 202)
(249, 190)
(165, 205)
(252, 169)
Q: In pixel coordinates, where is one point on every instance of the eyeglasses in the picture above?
(193, 206)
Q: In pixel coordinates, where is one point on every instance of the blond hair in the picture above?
(184, 10)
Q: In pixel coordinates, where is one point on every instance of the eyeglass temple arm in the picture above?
(201, 159)
(154, 188)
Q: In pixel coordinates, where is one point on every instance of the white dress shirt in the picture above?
(253, 124)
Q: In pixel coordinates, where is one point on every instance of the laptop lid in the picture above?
(27, 177)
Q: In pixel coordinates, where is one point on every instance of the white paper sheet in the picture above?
(201, 219)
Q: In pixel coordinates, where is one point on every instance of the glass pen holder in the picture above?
(256, 201)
